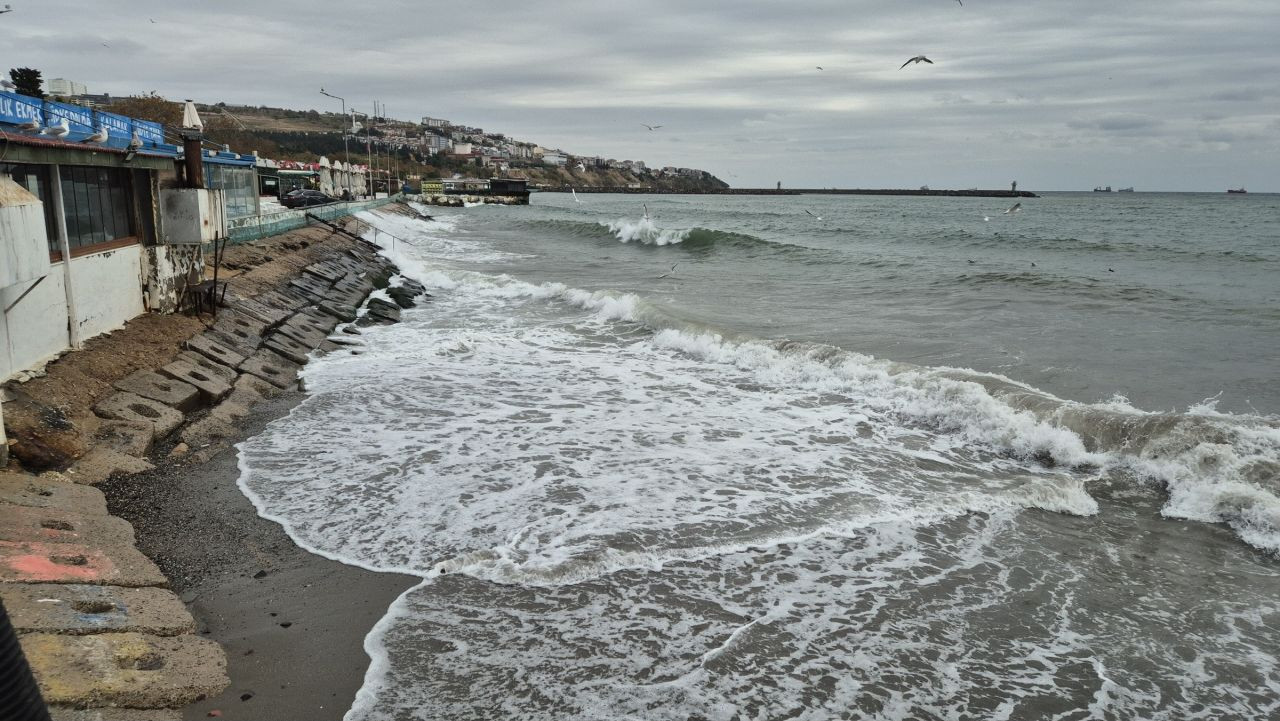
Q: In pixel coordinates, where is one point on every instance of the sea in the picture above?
(809, 457)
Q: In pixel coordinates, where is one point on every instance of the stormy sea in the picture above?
(810, 457)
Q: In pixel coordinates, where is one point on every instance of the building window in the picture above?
(98, 203)
(35, 178)
(238, 185)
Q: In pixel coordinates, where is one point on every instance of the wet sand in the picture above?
(292, 623)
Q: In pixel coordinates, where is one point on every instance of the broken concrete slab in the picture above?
(133, 407)
(101, 463)
(226, 373)
(149, 384)
(39, 562)
(212, 388)
(272, 368)
(209, 432)
(326, 270)
(80, 609)
(133, 438)
(57, 525)
(212, 348)
(290, 348)
(130, 670)
(50, 490)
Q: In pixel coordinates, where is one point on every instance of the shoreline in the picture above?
(292, 623)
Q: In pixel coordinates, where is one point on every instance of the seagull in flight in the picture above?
(917, 59)
(669, 273)
(651, 127)
(646, 210)
(1013, 208)
(819, 217)
(818, 67)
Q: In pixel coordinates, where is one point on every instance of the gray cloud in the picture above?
(1058, 95)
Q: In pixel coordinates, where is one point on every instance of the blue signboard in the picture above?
(80, 119)
(18, 109)
(149, 132)
(118, 126)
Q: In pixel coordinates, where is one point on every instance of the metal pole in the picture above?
(64, 245)
(346, 154)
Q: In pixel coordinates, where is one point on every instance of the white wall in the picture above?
(35, 329)
(107, 288)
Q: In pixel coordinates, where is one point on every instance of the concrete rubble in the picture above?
(105, 637)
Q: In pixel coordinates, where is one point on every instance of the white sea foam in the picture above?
(619, 515)
(644, 230)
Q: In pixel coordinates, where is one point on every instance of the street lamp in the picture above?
(346, 156)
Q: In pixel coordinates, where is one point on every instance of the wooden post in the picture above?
(193, 158)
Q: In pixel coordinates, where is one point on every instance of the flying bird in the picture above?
(819, 217)
(1013, 208)
(60, 129)
(917, 59)
(651, 127)
(818, 67)
(646, 210)
(153, 22)
(575, 195)
(670, 272)
(99, 136)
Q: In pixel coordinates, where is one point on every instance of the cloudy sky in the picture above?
(1066, 95)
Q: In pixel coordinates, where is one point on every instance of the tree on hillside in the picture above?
(28, 81)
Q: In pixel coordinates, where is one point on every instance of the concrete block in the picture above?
(239, 325)
(212, 388)
(342, 311)
(263, 313)
(309, 287)
(326, 270)
(132, 407)
(56, 525)
(272, 368)
(210, 347)
(102, 463)
(80, 609)
(317, 319)
(283, 300)
(50, 490)
(133, 438)
(289, 347)
(303, 329)
(242, 347)
(346, 297)
(130, 670)
(68, 713)
(226, 373)
(210, 432)
(39, 562)
(369, 319)
(171, 392)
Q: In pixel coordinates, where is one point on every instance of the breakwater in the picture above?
(968, 193)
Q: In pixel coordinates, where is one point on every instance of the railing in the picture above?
(253, 227)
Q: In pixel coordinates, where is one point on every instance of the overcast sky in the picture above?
(1066, 95)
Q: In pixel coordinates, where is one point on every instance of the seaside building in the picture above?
(434, 122)
(83, 242)
(65, 88)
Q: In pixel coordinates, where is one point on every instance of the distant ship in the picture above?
(1236, 190)
(1102, 190)
(1126, 190)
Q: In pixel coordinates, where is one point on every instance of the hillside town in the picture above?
(430, 148)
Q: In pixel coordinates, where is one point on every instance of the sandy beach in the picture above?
(292, 623)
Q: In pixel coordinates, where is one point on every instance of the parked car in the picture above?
(305, 198)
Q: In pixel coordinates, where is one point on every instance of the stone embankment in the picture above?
(104, 635)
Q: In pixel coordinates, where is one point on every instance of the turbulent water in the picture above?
(852, 457)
